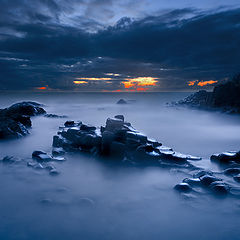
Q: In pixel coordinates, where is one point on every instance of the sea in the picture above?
(93, 200)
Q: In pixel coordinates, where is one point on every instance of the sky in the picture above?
(118, 45)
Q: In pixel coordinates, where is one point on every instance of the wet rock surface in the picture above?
(15, 120)
(222, 183)
(224, 97)
(117, 140)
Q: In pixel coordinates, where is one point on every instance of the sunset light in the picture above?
(94, 79)
(141, 82)
(41, 88)
(204, 83)
(201, 83)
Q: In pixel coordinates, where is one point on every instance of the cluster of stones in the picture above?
(211, 181)
(117, 140)
(230, 161)
(15, 120)
(42, 160)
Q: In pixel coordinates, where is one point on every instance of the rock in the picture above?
(117, 139)
(8, 159)
(57, 142)
(206, 180)
(85, 127)
(107, 139)
(202, 173)
(232, 171)
(41, 156)
(38, 166)
(58, 159)
(226, 157)
(225, 97)
(219, 188)
(117, 150)
(183, 187)
(114, 124)
(121, 117)
(54, 116)
(54, 172)
(15, 120)
(57, 151)
(237, 178)
(122, 101)
(192, 181)
(69, 124)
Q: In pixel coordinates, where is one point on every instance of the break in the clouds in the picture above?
(109, 45)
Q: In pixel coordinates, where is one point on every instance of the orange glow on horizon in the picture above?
(80, 82)
(94, 79)
(191, 83)
(204, 83)
(42, 88)
(201, 83)
(142, 89)
(138, 84)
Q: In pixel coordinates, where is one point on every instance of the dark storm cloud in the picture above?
(174, 46)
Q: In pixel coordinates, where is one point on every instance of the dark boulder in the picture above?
(183, 187)
(219, 188)
(15, 120)
(226, 157)
(237, 178)
(122, 101)
(225, 97)
(232, 171)
(41, 156)
(206, 180)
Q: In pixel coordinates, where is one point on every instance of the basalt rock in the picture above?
(209, 182)
(224, 97)
(116, 140)
(121, 101)
(15, 120)
(226, 157)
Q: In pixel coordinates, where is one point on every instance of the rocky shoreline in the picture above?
(225, 97)
(119, 143)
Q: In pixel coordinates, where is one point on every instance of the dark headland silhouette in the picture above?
(225, 97)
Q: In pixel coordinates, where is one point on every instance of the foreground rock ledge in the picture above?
(15, 120)
(117, 140)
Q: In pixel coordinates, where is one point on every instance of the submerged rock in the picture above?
(121, 101)
(54, 116)
(15, 120)
(237, 178)
(41, 156)
(183, 187)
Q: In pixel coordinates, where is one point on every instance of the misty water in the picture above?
(92, 200)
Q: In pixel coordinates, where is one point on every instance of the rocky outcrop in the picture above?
(15, 120)
(225, 97)
(121, 101)
(219, 183)
(117, 140)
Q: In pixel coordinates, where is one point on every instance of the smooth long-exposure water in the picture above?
(90, 200)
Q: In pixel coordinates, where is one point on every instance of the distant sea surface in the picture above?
(90, 200)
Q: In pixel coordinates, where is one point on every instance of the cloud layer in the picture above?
(40, 47)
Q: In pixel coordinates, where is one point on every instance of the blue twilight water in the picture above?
(90, 200)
